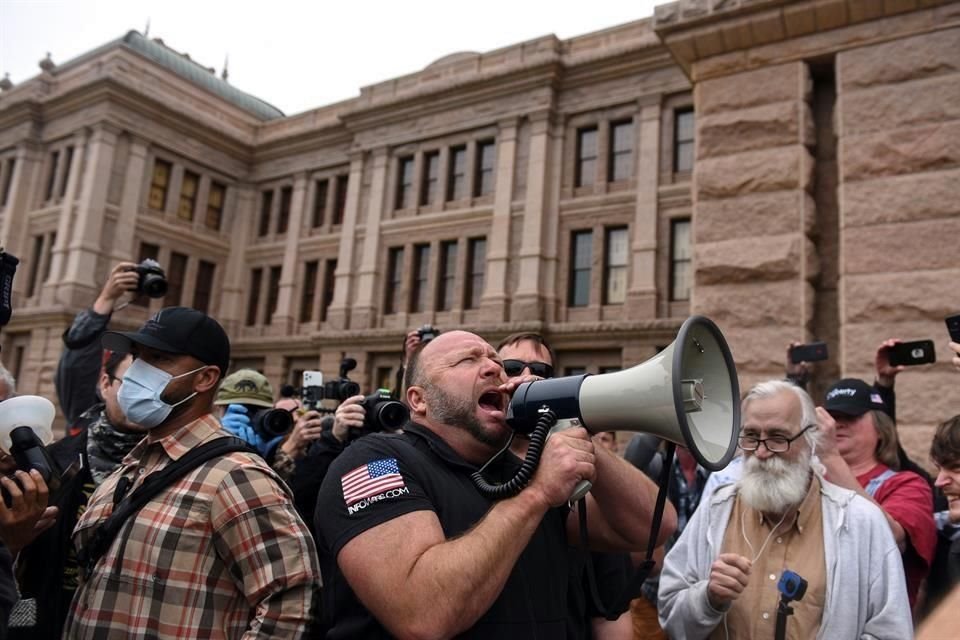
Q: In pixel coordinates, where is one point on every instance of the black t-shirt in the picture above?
(389, 475)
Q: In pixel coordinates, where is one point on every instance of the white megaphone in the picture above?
(687, 394)
(25, 429)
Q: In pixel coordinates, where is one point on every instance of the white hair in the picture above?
(7, 380)
(808, 413)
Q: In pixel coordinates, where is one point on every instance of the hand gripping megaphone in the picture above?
(687, 394)
(25, 430)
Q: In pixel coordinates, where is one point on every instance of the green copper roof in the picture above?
(187, 69)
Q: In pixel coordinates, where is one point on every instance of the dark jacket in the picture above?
(47, 567)
(79, 368)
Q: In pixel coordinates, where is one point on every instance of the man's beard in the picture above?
(774, 485)
(458, 413)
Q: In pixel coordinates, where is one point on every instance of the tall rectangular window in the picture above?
(615, 266)
(188, 195)
(457, 173)
(266, 204)
(394, 282)
(253, 302)
(329, 283)
(448, 273)
(581, 244)
(680, 260)
(405, 182)
(620, 164)
(216, 197)
(683, 132)
(343, 181)
(421, 277)
(8, 181)
(476, 269)
(484, 174)
(585, 172)
(320, 192)
(283, 217)
(52, 176)
(159, 183)
(310, 270)
(151, 251)
(431, 178)
(35, 265)
(203, 286)
(273, 293)
(67, 165)
(176, 271)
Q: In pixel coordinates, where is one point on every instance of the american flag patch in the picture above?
(371, 479)
(875, 397)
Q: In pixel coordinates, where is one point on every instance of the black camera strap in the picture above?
(126, 506)
(632, 589)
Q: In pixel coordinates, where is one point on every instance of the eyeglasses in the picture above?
(515, 367)
(774, 444)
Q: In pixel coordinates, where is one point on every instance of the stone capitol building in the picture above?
(788, 168)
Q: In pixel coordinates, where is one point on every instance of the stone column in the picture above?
(338, 315)
(752, 206)
(528, 301)
(14, 231)
(642, 290)
(285, 315)
(239, 224)
(58, 257)
(78, 282)
(365, 304)
(124, 235)
(898, 128)
(495, 298)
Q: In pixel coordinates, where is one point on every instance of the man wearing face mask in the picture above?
(220, 552)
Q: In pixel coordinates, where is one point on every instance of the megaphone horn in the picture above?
(687, 394)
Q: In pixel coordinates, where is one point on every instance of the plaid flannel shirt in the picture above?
(222, 553)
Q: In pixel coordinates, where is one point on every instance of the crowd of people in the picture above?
(197, 504)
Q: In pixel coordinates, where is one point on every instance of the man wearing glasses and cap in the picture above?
(220, 552)
(720, 579)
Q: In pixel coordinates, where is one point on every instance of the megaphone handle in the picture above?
(584, 485)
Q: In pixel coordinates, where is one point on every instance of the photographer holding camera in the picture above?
(87, 381)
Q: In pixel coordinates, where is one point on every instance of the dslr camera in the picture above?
(383, 413)
(427, 333)
(153, 281)
(343, 387)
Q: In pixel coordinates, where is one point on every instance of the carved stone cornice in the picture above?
(694, 30)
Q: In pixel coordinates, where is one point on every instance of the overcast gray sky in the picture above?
(299, 55)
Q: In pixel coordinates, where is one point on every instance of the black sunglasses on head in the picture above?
(515, 367)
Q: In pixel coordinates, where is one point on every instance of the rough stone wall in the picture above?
(898, 120)
(752, 212)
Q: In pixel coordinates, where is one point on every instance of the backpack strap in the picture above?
(124, 507)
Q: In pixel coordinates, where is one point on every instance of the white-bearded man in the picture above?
(720, 578)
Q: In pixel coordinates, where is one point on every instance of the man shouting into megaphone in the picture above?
(409, 546)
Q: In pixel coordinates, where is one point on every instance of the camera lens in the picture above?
(349, 389)
(271, 423)
(154, 285)
(391, 415)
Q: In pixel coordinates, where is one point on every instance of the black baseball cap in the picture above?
(852, 397)
(179, 330)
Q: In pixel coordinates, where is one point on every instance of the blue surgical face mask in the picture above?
(139, 395)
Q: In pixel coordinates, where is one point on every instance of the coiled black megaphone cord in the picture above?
(520, 480)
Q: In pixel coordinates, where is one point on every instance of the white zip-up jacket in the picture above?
(866, 594)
